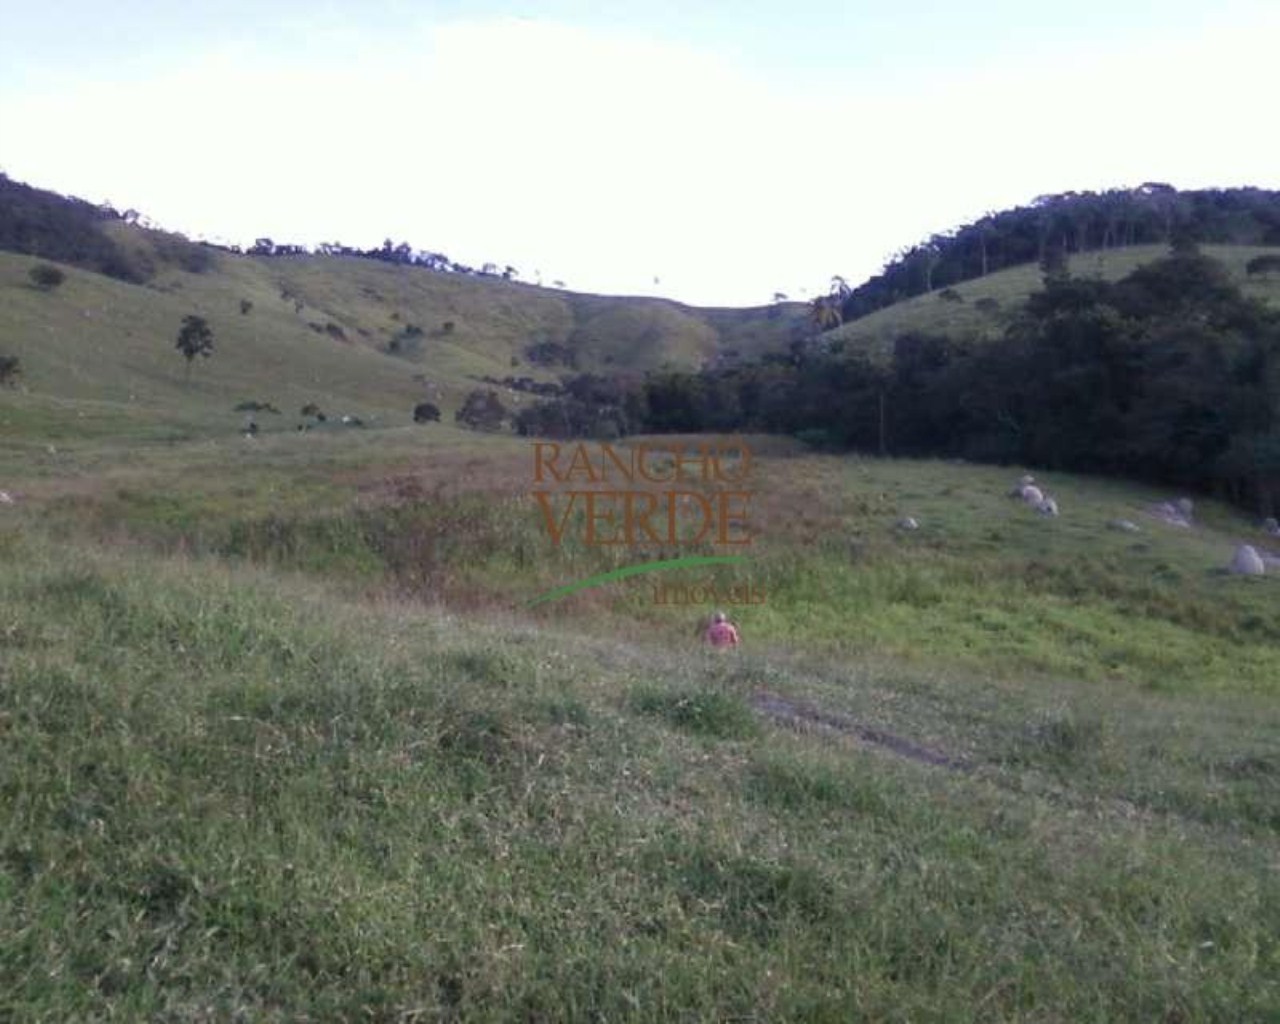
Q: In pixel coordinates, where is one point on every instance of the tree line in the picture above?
(1070, 222)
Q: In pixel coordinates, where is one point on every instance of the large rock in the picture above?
(1047, 507)
(1185, 507)
(1032, 494)
(1271, 526)
(1247, 562)
(907, 523)
(1124, 526)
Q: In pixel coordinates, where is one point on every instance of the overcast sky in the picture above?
(711, 152)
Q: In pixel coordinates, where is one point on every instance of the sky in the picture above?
(715, 153)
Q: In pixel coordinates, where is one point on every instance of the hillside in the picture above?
(972, 313)
(352, 335)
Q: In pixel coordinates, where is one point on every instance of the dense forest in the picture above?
(1169, 375)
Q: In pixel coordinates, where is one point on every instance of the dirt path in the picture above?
(795, 714)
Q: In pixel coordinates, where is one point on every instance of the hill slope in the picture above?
(972, 315)
(348, 334)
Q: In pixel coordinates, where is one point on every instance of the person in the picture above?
(721, 632)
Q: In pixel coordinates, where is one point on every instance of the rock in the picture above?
(1247, 562)
(1026, 479)
(1123, 525)
(1032, 494)
(1047, 507)
(1271, 526)
(907, 523)
(1185, 507)
(6, 498)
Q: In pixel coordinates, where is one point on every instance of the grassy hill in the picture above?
(350, 335)
(974, 316)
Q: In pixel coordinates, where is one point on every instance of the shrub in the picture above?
(46, 277)
(426, 412)
(245, 306)
(482, 410)
(1262, 264)
(950, 295)
(9, 370)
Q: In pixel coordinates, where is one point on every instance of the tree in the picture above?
(482, 410)
(825, 312)
(46, 277)
(194, 339)
(9, 370)
(426, 412)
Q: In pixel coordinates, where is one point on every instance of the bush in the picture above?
(46, 277)
(950, 295)
(1262, 264)
(426, 412)
(482, 410)
(9, 370)
(245, 306)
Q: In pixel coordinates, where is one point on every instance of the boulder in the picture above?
(1047, 507)
(6, 498)
(907, 523)
(1271, 526)
(1185, 507)
(1247, 562)
(1032, 494)
(1123, 525)
(1026, 479)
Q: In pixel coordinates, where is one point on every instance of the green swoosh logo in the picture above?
(634, 570)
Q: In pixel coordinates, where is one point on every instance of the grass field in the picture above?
(281, 738)
(281, 742)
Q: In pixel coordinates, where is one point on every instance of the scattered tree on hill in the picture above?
(426, 412)
(46, 277)
(482, 410)
(9, 370)
(194, 339)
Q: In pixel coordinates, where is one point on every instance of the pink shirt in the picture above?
(722, 634)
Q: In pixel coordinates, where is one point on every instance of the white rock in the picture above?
(1185, 507)
(907, 523)
(1124, 526)
(1247, 562)
(6, 498)
(1047, 507)
(1271, 526)
(1026, 479)
(1032, 495)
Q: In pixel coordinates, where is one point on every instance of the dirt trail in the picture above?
(798, 715)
